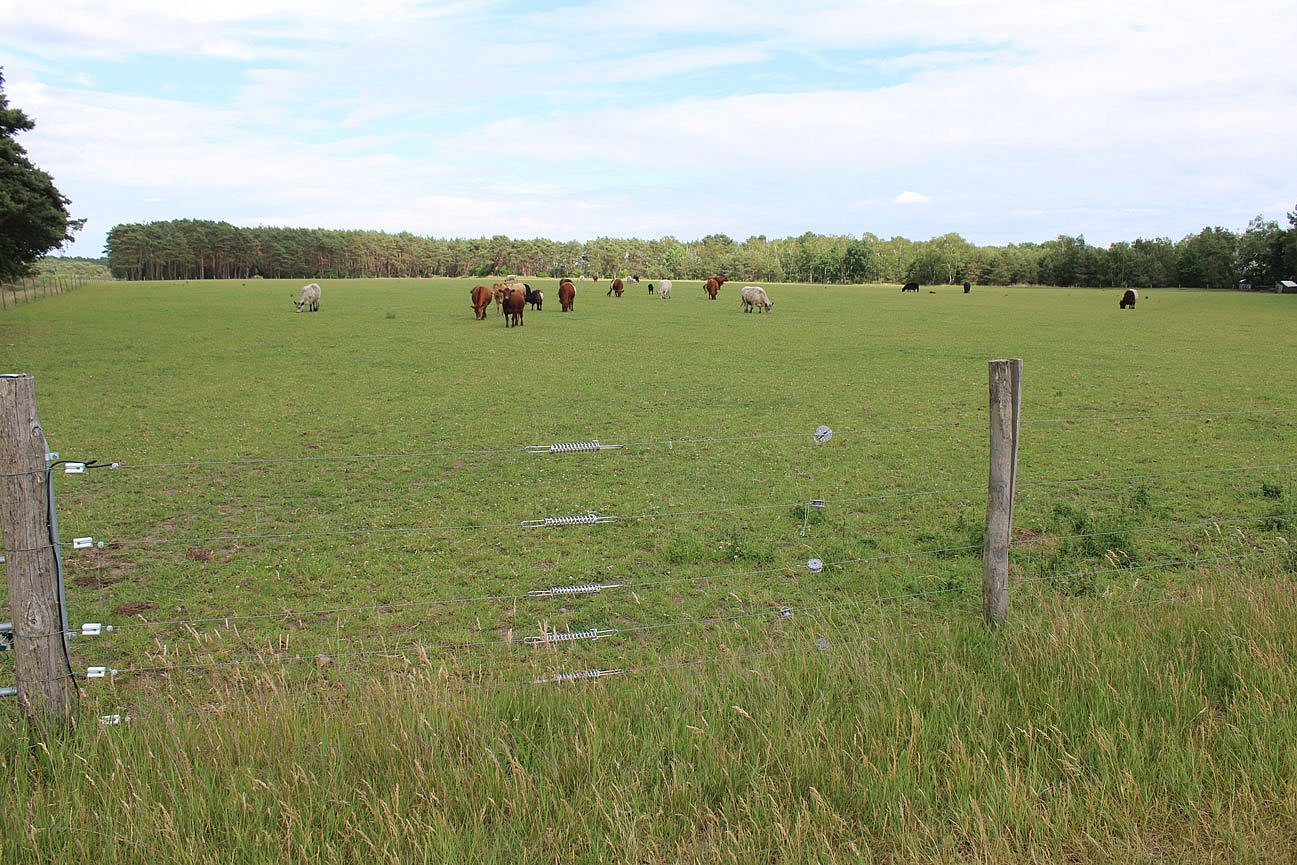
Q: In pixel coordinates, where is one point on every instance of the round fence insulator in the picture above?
(823, 433)
(814, 565)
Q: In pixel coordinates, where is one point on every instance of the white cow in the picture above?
(752, 295)
(309, 298)
(664, 288)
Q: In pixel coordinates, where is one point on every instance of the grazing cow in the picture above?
(910, 286)
(481, 300)
(1128, 299)
(753, 295)
(309, 298)
(664, 288)
(566, 294)
(617, 286)
(515, 301)
(535, 298)
(634, 279)
(713, 286)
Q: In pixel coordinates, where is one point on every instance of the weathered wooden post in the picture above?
(1006, 403)
(46, 692)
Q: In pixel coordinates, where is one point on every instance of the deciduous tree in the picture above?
(33, 213)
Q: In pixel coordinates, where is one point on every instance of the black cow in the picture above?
(535, 298)
(910, 286)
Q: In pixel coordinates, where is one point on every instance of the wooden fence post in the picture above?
(1006, 402)
(46, 692)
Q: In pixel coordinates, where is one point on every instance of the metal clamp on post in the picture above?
(571, 447)
(6, 636)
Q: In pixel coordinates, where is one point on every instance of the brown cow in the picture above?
(713, 286)
(481, 300)
(515, 301)
(500, 291)
(617, 286)
(566, 294)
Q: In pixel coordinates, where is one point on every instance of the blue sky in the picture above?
(1006, 122)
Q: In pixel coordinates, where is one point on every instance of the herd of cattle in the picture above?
(512, 297)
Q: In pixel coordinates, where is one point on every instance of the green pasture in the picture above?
(315, 530)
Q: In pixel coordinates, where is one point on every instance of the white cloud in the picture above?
(909, 197)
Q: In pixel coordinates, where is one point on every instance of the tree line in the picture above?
(202, 249)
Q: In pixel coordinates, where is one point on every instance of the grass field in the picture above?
(320, 586)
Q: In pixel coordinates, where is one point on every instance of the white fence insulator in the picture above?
(82, 543)
(99, 672)
(550, 637)
(8, 692)
(109, 720)
(571, 447)
(582, 589)
(577, 520)
(95, 629)
(579, 674)
(74, 468)
(814, 565)
(823, 433)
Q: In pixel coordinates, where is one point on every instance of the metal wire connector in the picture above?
(577, 520)
(550, 637)
(578, 674)
(571, 447)
(582, 589)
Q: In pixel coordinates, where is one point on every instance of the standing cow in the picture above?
(1128, 299)
(308, 298)
(535, 298)
(515, 301)
(713, 286)
(481, 296)
(753, 295)
(664, 288)
(566, 294)
(617, 287)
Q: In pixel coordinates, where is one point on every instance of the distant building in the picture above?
(1244, 285)
(1285, 286)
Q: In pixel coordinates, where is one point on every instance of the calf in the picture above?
(308, 298)
(713, 286)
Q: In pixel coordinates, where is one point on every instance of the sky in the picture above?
(1006, 121)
